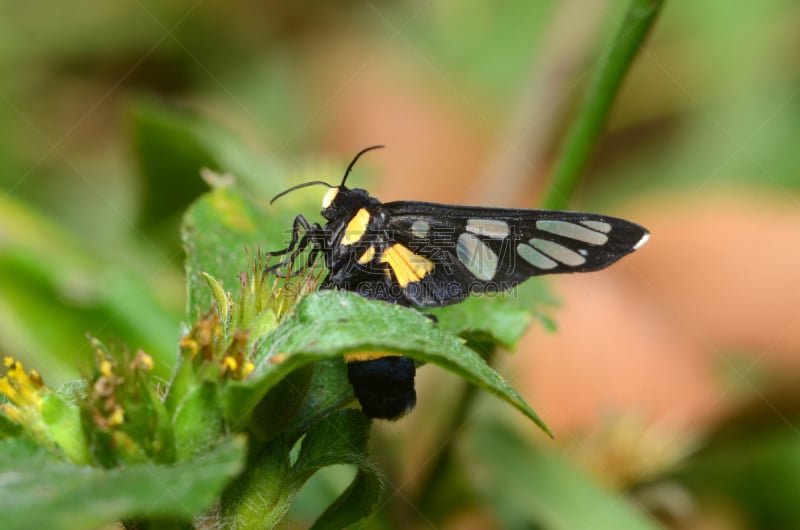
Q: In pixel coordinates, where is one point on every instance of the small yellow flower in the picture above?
(9, 391)
(116, 417)
(143, 361)
(229, 364)
(190, 345)
(105, 368)
(36, 378)
(25, 392)
(248, 368)
(22, 389)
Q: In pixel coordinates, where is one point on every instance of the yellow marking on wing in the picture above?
(407, 266)
(360, 356)
(356, 227)
(367, 256)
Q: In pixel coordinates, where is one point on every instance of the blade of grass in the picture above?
(603, 87)
(575, 152)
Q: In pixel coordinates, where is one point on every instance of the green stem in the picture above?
(438, 468)
(603, 87)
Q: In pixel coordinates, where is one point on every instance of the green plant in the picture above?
(265, 363)
(257, 401)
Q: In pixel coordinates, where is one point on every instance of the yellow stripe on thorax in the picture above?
(407, 266)
(356, 228)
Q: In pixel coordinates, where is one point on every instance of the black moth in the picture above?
(429, 255)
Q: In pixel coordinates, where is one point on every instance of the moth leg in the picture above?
(299, 222)
(432, 318)
(298, 244)
(312, 255)
(303, 244)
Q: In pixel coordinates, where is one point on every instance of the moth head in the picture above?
(339, 198)
(334, 202)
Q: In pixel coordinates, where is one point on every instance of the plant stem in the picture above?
(439, 467)
(603, 87)
(574, 153)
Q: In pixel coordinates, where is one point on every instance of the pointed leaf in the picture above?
(329, 324)
(341, 438)
(500, 319)
(357, 502)
(38, 491)
(261, 496)
(534, 486)
(329, 390)
(222, 231)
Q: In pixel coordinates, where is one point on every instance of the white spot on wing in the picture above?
(558, 252)
(476, 256)
(600, 226)
(534, 257)
(493, 228)
(420, 228)
(642, 241)
(572, 231)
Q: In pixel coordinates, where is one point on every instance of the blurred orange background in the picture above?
(472, 100)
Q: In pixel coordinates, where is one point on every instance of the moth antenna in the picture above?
(303, 185)
(355, 159)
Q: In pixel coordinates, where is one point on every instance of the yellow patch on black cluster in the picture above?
(367, 256)
(407, 266)
(356, 228)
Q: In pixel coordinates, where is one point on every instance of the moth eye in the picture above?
(327, 200)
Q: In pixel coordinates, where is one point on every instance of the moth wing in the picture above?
(458, 250)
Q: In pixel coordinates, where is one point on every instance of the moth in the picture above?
(423, 254)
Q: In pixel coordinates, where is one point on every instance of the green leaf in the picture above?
(48, 276)
(530, 485)
(41, 492)
(172, 146)
(604, 86)
(341, 438)
(498, 319)
(275, 412)
(746, 454)
(63, 420)
(328, 324)
(8, 428)
(329, 390)
(357, 502)
(197, 421)
(217, 230)
(263, 494)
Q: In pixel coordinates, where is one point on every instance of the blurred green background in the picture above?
(671, 376)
